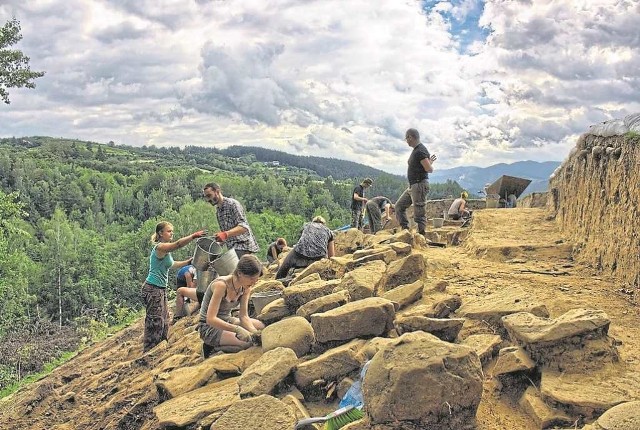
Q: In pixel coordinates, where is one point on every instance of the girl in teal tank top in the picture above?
(154, 296)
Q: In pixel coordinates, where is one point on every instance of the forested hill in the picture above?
(325, 167)
(76, 218)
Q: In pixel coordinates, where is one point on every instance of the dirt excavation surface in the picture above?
(578, 331)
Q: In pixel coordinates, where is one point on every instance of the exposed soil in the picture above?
(110, 385)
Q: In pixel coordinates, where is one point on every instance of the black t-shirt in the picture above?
(415, 172)
(357, 204)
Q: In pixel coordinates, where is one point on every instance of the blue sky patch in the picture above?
(463, 17)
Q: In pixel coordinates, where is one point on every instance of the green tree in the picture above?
(15, 71)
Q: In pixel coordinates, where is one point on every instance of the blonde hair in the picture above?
(464, 195)
(319, 219)
(159, 228)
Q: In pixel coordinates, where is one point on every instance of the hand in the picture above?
(222, 236)
(198, 234)
(243, 334)
(433, 158)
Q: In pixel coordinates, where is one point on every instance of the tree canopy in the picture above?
(15, 71)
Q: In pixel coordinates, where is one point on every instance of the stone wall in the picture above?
(533, 200)
(594, 196)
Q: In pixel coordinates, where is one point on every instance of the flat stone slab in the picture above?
(263, 412)
(188, 408)
(544, 415)
(532, 329)
(493, 307)
(591, 393)
(513, 359)
(446, 329)
(485, 345)
(267, 372)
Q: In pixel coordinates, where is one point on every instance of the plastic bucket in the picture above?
(207, 250)
(204, 279)
(438, 222)
(260, 300)
(226, 263)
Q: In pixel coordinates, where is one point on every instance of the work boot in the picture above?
(207, 350)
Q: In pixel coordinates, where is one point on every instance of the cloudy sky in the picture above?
(483, 81)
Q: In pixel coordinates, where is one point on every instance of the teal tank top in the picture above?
(159, 269)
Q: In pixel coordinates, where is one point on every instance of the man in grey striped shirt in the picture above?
(234, 227)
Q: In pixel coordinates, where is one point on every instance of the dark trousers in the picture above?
(374, 214)
(294, 259)
(156, 320)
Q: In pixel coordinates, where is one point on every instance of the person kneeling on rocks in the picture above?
(315, 243)
(220, 331)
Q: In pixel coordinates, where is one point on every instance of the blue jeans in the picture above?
(415, 195)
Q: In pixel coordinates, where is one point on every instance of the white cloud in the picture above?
(293, 75)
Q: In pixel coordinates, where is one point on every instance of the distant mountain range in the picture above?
(474, 178)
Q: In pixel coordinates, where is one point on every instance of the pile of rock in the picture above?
(374, 303)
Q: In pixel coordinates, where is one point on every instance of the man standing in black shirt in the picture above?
(357, 203)
(420, 165)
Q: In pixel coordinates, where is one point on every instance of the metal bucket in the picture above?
(204, 279)
(226, 263)
(207, 250)
(438, 222)
(260, 300)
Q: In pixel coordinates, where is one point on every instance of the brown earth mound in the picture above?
(112, 385)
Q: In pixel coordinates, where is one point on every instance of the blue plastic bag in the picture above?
(353, 396)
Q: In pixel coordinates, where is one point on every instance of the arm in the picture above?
(245, 321)
(387, 210)
(191, 283)
(358, 198)
(427, 163)
(164, 248)
(182, 263)
(462, 206)
(241, 227)
(331, 249)
(273, 253)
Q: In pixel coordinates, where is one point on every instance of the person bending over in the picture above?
(219, 330)
(315, 243)
(276, 249)
(375, 208)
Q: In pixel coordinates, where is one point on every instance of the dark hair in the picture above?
(281, 241)
(249, 265)
(413, 133)
(212, 185)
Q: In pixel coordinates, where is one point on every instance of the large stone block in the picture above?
(263, 412)
(405, 295)
(267, 372)
(295, 333)
(404, 271)
(493, 307)
(297, 295)
(420, 380)
(332, 364)
(368, 317)
(188, 408)
(364, 281)
(323, 304)
(576, 339)
(274, 311)
(442, 328)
